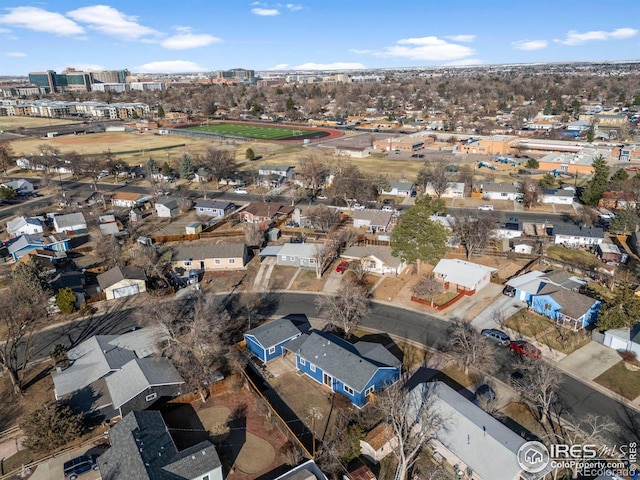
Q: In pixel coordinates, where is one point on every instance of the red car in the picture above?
(525, 349)
(342, 267)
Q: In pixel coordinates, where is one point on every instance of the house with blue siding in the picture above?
(565, 307)
(355, 371)
(57, 242)
(266, 341)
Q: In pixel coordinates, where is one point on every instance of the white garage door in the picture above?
(126, 291)
(618, 344)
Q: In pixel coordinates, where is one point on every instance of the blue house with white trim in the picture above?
(354, 371)
(57, 242)
(565, 307)
(266, 341)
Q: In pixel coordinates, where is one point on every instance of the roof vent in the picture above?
(193, 457)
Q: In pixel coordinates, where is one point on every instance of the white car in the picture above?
(486, 207)
(387, 208)
(241, 191)
(357, 206)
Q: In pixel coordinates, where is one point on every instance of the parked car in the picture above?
(509, 291)
(241, 191)
(485, 394)
(387, 208)
(321, 197)
(342, 267)
(79, 465)
(525, 349)
(497, 336)
(357, 206)
(486, 207)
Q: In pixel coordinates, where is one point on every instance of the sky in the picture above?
(161, 36)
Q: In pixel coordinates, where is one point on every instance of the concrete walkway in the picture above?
(332, 285)
(590, 361)
(264, 273)
(502, 306)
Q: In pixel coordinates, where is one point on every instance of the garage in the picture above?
(126, 291)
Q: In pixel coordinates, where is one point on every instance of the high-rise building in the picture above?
(72, 80)
(110, 76)
(46, 80)
(239, 74)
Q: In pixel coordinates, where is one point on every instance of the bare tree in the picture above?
(474, 232)
(323, 256)
(435, 174)
(6, 156)
(346, 307)
(468, 347)
(358, 272)
(253, 234)
(221, 163)
(531, 192)
(312, 172)
(428, 286)
(414, 420)
(323, 217)
(539, 385)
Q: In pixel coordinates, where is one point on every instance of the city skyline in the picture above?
(190, 36)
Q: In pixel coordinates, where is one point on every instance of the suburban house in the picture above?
(297, 255)
(559, 196)
(214, 208)
(266, 213)
(510, 229)
(24, 226)
(315, 217)
(624, 339)
(167, 207)
(115, 374)
(127, 199)
(531, 283)
(378, 443)
(399, 189)
(308, 470)
(71, 222)
(469, 436)
(220, 256)
(608, 252)
(355, 371)
(565, 307)
(45, 258)
(21, 186)
(372, 220)
(121, 282)
(465, 277)
(266, 341)
(142, 448)
(375, 259)
(202, 176)
(453, 190)
(523, 245)
(574, 235)
(500, 191)
(109, 225)
(276, 175)
(57, 242)
(619, 200)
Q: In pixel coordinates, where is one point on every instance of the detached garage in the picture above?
(122, 282)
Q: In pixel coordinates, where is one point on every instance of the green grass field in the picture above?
(261, 132)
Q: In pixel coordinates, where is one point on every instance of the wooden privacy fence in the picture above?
(217, 387)
(197, 236)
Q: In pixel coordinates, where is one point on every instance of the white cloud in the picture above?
(189, 40)
(4, 30)
(330, 66)
(426, 48)
(280, 66)
(461, 38)
(360, 52)
(530, 44)
(110, 21)
(169, 66)
(39, 20)
(265, 12)
(15, 54)
(577, 38)
(464, 63)
(293, 7)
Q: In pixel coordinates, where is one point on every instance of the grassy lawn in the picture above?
(444, 297)
(528, 323)
(520, 415)
(621, 380)
(457, 374)
(579, 258)
(262, 132)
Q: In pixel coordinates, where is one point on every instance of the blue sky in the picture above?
(205, 35)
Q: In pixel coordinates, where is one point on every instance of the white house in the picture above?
(399, 189)
(24, 226)
(72, 222)
(21, 186)
(465, 277)
(122, 282)
(574, 235)
(214, 208)
(500, 191)
(127, 199)
(522, 245)
(375, 259)
(559, 197)
(372, 220)
(167, 207)
(453, 190)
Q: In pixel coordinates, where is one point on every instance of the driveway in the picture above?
(332, 285)
(53, 469)
(590, 361)
(503, 305)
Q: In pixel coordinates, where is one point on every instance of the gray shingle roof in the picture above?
(575, 231)
(215, 204)
(573, 304)
(169, 202)
(218, 250)
(500, 187)
(272, 333)
(116, 274)
(381, 253)
(69, 220)
(343, 361)
(375, 217)
(139, 374)
(142, 449)
(17, 223)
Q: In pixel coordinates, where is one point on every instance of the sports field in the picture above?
(260, 132)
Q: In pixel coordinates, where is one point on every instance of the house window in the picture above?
(348, 389)
(284, 258)
(272, 350)
(312, 367)
(369, 390)
(232, 260)
(217, 261)
(303, 361)
(151, 396)
(206, 477)
(547, 306)
(292, 258)
(312, 261)
(187, 263)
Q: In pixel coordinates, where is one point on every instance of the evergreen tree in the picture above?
(590, 135)
(622, 311)
(66, 300)
(160, 111)
(290, 105)
(186, 168)
(598, 184)
(250, 154)
(166, 169)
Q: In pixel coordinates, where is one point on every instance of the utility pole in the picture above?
(315, 414)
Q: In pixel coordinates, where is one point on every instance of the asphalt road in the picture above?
(576, 399)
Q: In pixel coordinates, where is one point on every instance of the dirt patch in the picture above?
(390, 287)
(306, 280)
(38, 388)
(281, 276)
